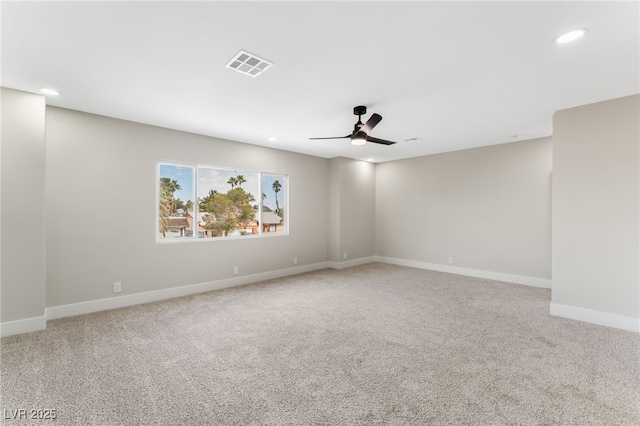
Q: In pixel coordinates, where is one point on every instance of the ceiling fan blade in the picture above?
(380, 141)
(371, 123)
(334, 137)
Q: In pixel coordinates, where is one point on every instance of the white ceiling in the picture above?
(455, 75)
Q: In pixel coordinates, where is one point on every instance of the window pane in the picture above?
(227, 205)
(176, 201)
(274, 203)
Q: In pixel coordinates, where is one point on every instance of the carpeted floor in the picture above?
(375, 344)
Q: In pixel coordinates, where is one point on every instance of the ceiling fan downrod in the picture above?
(360, 110)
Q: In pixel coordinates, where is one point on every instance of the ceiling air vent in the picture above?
(248, 63)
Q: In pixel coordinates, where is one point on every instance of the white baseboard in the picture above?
(595, 317)
(39, 323)
(153, 296)
(497, 276)
(351, 263)
(23, 326)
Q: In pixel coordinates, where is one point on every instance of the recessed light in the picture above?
(48, 91)
(273, 139)
(369, 160)
(570, 36)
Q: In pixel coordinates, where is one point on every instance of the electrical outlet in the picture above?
(235, 270)
(295, 260)
(450, 260)
(344, 255)
(117, 287)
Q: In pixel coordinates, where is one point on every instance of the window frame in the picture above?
(195, 181)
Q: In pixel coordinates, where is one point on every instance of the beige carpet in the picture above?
(376, 344)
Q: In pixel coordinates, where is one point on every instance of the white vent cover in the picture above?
(248, 63)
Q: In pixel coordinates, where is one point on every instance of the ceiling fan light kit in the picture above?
(359, 139)
(360, 134)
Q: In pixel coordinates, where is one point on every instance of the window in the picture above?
(227, 204)
(176, 197)
(273, 202)
(207, 202)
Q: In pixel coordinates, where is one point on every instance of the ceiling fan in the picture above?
(360, 134)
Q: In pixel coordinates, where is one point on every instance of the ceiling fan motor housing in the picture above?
(360, 110)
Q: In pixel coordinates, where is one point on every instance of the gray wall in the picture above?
(23, 187)
(101, 206)
(596, 213)
(357, 208)
(488, 208)
(333, 209)
(351, 209)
